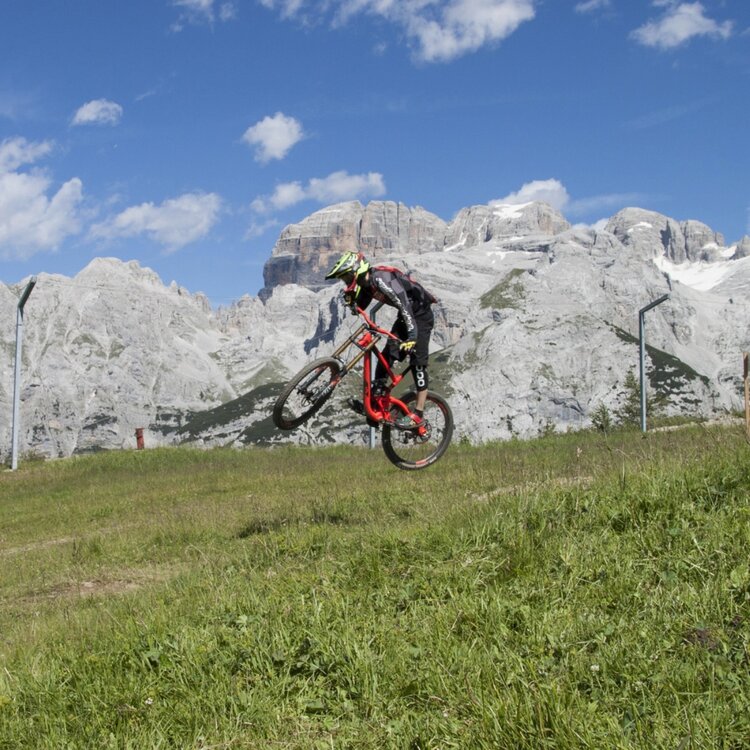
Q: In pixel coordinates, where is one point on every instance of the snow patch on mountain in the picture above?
(702, 275)
(509, 210)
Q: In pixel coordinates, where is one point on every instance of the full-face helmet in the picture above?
(349, 267)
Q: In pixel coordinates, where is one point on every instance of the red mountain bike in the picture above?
(412, 447)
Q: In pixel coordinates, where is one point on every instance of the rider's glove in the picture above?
(407, 346)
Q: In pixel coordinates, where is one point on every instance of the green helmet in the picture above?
(348, 267)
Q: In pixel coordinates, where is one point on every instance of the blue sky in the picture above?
(186, 134)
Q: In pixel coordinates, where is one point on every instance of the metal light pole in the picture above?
(642, 342)
(17, 381)
(373, 361)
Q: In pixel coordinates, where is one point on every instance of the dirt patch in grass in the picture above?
(121, 582)
(57, 541)
(33, 546)
(702, 637)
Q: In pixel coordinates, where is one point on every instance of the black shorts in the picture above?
(425, 320)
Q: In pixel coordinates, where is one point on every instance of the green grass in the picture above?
(507, 294)
(568, 592)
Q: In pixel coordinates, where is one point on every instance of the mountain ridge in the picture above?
(525, 338)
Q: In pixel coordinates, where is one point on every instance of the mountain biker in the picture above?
(413, 325)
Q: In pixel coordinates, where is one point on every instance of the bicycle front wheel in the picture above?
(409, 450)
(306, 392)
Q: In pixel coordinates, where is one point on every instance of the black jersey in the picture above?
(395, 288)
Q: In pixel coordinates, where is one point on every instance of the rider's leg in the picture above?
(421, 357)
(408, 421)
(380, 381)
(391, 353)
(421, 381)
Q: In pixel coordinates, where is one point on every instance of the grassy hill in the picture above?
(570, 592)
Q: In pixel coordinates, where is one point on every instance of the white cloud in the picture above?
(680, 23)
(173, 224)
(258, 229)
(551, 191)
(273, 137)
(98, 112)
(227, 11)
(442, 30)
(293, 8)
(201, 7)
(463, 26)
(555, 194)
(665, 115)
(203, 12)
(15, 152)
(285, 195)
(608, 202)
(31, 220)
(337, 187)
(588, 6)
(341, 186)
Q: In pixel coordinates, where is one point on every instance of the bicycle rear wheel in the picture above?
(406, 448)
(306, 392)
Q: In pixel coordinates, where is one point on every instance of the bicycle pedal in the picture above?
(406, 424)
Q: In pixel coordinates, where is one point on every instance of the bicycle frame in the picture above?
(366, 338)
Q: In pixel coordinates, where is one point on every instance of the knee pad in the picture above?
(420, 378)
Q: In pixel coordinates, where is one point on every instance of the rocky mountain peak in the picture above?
(384, 229)
(742, 249)
(649, 232)
(479, 224)
(305, 251)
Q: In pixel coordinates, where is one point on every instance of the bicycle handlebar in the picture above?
(370, 323)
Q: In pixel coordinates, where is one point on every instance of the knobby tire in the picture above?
(405, 449)
(306, 392)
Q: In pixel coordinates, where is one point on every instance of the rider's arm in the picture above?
(364, 297)
(395, 295)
